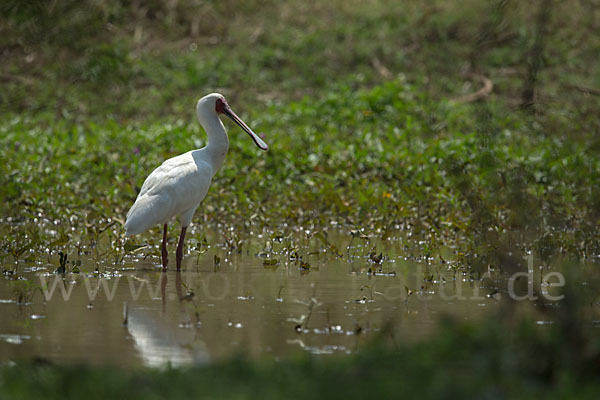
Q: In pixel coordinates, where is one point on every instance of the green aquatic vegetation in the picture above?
(234, 242)
(271, 262)
(379, 154)
(24, 291)
(63, 260)
(366, 166)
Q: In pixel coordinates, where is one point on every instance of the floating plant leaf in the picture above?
(132, 247)
(270, 262)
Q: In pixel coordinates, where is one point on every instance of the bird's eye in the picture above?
(220, 106)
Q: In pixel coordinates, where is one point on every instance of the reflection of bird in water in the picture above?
(159, 340)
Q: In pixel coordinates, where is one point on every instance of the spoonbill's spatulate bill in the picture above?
(177, 187)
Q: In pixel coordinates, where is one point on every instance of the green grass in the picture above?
(375, 159)
(354, 99)
(136, 62)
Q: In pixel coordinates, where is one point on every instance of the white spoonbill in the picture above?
(179, 185)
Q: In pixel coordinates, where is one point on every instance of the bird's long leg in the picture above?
(180, 247)
(165, 253)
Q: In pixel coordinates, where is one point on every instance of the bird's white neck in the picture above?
(218, 142)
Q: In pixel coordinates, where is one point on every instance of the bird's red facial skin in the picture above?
(220, 106)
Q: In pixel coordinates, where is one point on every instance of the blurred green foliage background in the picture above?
(136, 59)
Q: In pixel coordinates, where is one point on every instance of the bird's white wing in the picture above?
(178, 185)
(167, 170)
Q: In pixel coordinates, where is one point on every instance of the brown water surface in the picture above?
(138, 315)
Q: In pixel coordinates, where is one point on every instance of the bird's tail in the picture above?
(145, 213)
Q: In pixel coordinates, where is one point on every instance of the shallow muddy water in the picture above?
(138, 315)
